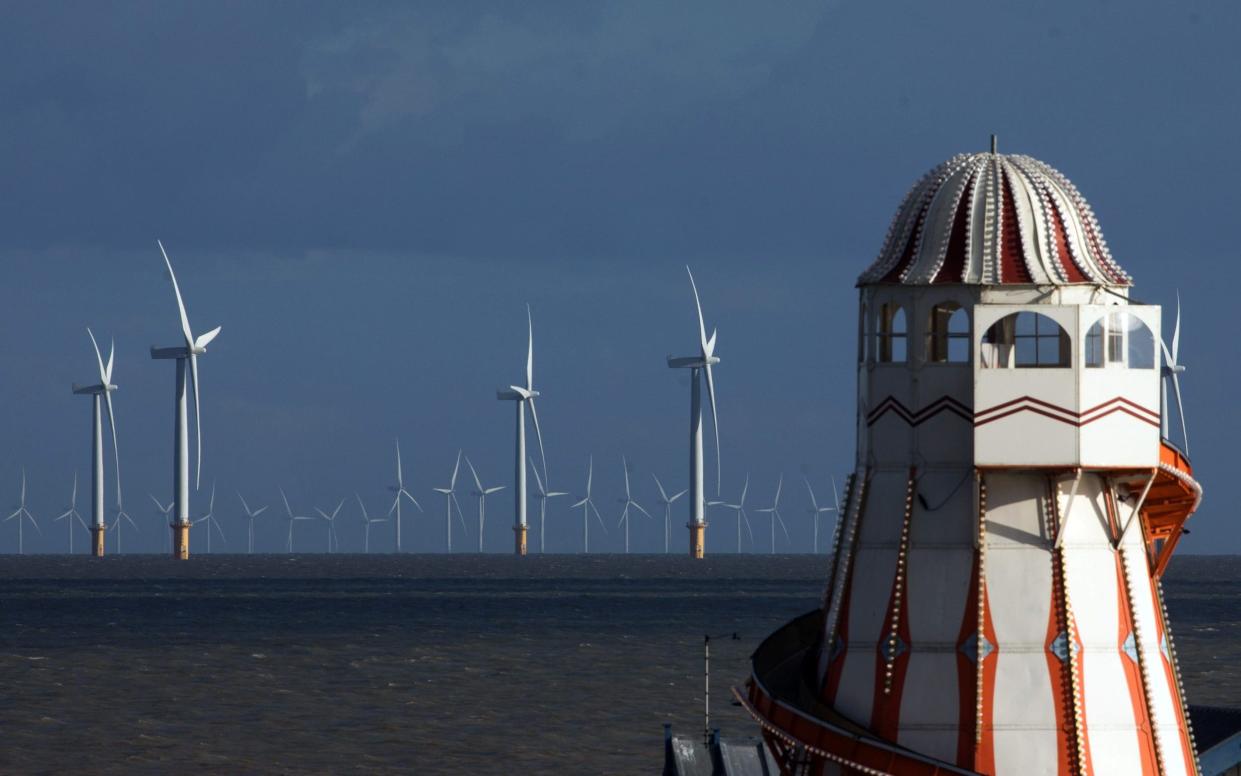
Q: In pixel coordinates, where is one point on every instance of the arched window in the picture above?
(1120, 339)
(948, 334)
(891, 337)
(1026, 340)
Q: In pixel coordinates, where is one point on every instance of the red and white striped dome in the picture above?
(991, 218)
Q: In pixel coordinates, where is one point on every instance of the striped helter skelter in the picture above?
(994, 219)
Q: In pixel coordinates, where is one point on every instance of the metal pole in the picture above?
(181, 467)
(706, 690)
(695, 449)
(96, 466)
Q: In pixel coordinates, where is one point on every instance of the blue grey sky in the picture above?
(365, 196)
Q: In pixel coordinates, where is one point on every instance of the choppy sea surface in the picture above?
(422, 664)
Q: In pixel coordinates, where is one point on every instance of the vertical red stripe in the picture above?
(1133, 676)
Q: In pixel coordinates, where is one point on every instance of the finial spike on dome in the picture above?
(993, 144)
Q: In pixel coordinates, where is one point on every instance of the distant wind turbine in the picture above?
(72, 513)
(628, 502)
(699, 366)
(103, 389)
(450, 499)
(251, 516)
(666, 502)
(1172, 369)
(588, 506)
(367, 519)
(21, 514)
(739, 508)
(291, 518)
(399, 490)
(523, 397)
(332, 538)
(189, 351)
(210, 519)
(543, 496)
(482, 494)
(815, 510)
(121, 516)
(774, 511)
(166, 511)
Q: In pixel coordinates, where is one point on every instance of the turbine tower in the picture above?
(482, 494)
(774, 511)
(628, 502)
(72, 513)
(101, 395)
(251, 516)
(588, 505)
(449, 500)
(367, 520)
(20, 514)
(521, 397)
(666, 502)
(699, 366)
(543, 495)
(189, 351)
(399, 490)
(815, 510)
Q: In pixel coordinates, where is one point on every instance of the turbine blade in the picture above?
(638, 507)
(1176, 331)
(198, 425)
(745, 488)
(285, 498)
(116, 453)
(111, 357)
(538, 433)
(103, 375)
(625, 466)
(203, 341)
(835, 495)
(702, 327)
(474, 472)
(810, 490)
(715, 425)
(176, 289)
(244, 505)
(455, 467)
(1180, 408)
(258, 511)
(400, 480)
(412, 500)
(530, 352)
(660, 485)
(538, 481)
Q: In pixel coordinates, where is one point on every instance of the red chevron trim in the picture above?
(942, 404)
(1065, 415)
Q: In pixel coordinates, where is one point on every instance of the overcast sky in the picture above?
(365, 196)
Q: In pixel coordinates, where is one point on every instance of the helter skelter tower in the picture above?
(993, 602)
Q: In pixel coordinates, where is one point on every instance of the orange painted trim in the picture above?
(1133, 676)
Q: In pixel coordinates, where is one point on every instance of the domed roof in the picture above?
(991, 218)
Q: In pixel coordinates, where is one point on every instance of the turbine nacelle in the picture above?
(692, 362)
(93, 389)
(515, 393)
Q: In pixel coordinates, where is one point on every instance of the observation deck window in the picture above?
(892, 334)
(948, 334)
(1120, 340)
(1026, 340)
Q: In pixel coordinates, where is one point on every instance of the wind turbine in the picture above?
(399, 490)
(331, 525)
(543, 496)
(291, 518)
(815, 510)
(72, 513)
(450, 498)
(166, 511)
(210, 520)
(21, 513)
(588, 506)
(666, 502)
(628, 502)
(523, 397)
(739, 508)
(189, 351)
(774, 511)
(367, 519)
(251, 516)
(699, 365)
(104, 389)
(482, 494)
(122, 515)
(1172, 369)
